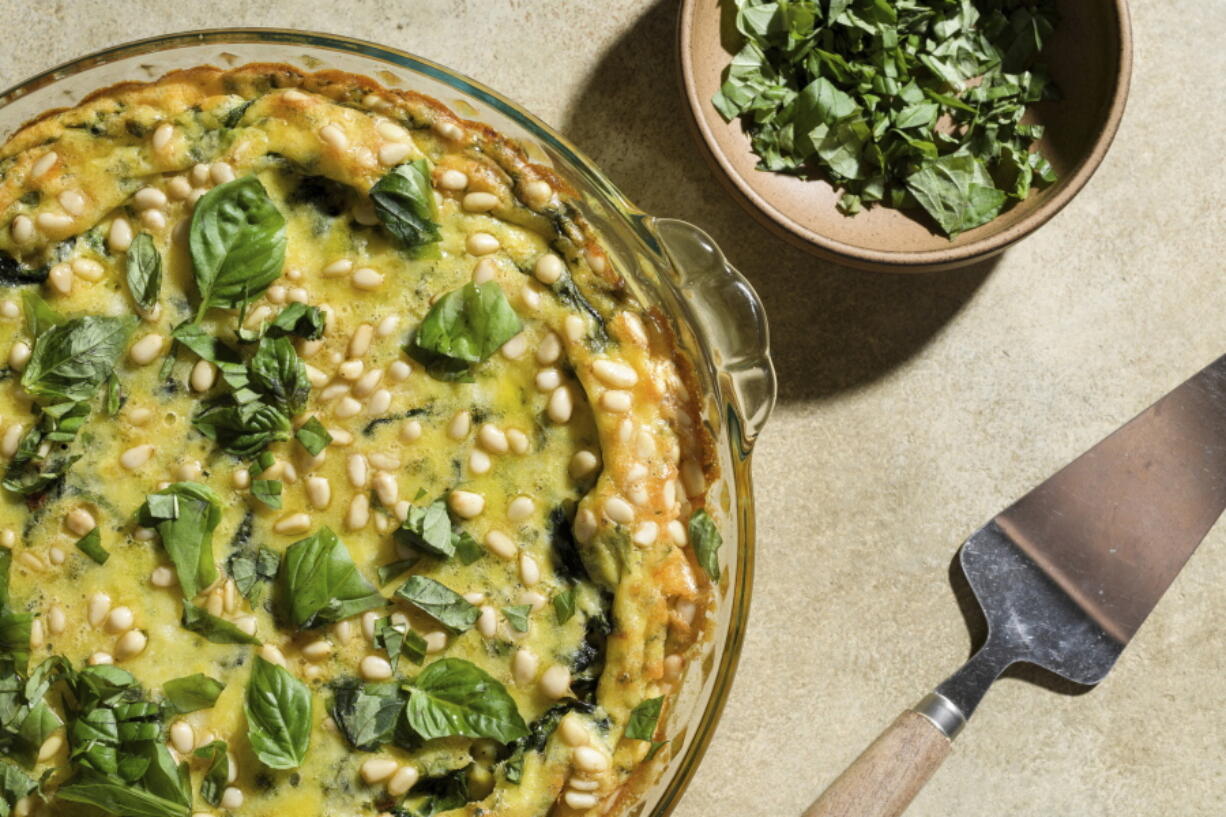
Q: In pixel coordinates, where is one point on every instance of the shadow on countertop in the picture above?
(833, 328)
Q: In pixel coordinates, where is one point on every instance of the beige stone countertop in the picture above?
(911, 409)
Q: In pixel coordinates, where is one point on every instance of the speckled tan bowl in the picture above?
(1090, 59)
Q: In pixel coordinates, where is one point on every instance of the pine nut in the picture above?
(272, 654)
(574, 327)
(555, 683)
(80, 521)
(485, 271)
(404, 779)
(572, 731)
(479, 462)
(88, 269)
(550, 349)
(57, 620)
(673, 664)
(153, 219)
(517, 440)
(378, 769)
(50, 748)
(246, 623)
(410, 431)
(375, 668)
(582, 464)
(487, 622)
(147, 349)
(54, 222)
(524, 666)
(580, 800)
(22, 229)
(347, 407)
(537, 193)
(529, 571)
(692, 478)
(492, 439)
(293, 524)
(359, 344)
(182, 737)
(12, 439)
(19, 355)
(530, 298)
(386, 488)
(393, 154)
(466, 504)
(357, 471)
(232, 798)
(614, 374)
(221, 173)
(616, 401)
(588, 759)
(646, 534)
(548, 269)
(334, 136)
(44, 164)
(436, 642)
(119, 236)
(380, 402)
(500, 544)
(561, 405)
(618, 510)
(37, 636)
(350, 370)
(478, 202)
(216, 604)
(366, 279)
(130, 644)
(204, 375)
(60, 278)
(585, 526)
(452, 180)
(317, 650)
(120, 620)
(149, 197)
(460, 425)
(161, 138)
(514, 348)
(359, 512)
(338, 269)
(189, 471)
(482, 243)
(319, 491)
(334, 391)
(162, 577)
(520, 508)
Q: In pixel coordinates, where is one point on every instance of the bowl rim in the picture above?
(700, 728)
(925, 261)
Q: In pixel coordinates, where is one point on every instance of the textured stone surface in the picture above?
(911, 408)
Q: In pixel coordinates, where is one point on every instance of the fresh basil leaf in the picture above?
(366, 714)
(39, 314)
(14, 785)
(267, 491)
(313, 436)
(428, 530)
(322, 584)
(390, 639)
(644, 718)
(237, 243)
(143, 268)
(118, 798)
(300, 320)
(250, 568)
(397, 568)
(706, 541)
(242, 430)
(464, 327)
(413, 648)
(957, 192)
(439, 602)
(91, 545)
(70, 360)
(192, 693)
(517, 616)
(277, 370)
(453, 697)
(404, 204)
(185, 515)
(467, 550)
(278, 708)
(564, 606)
(214, 629)
(217, 776)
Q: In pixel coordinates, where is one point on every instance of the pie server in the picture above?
(1065, 577)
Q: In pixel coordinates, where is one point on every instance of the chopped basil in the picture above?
(300, 320)
(517, 616)
(91, 545)
(390, 639)
(413, 648)
(242, 430)
(467, 550)
(366, 714)
(237, 243)
(213, 628)
(277, 371)
(428, 530)
(267, 491)
(32, 469)
(143, 268)
(313, 436)
(464, 327)
(564, 606)
(644, 718)
(706, 541)
(912, 105)
(218, 773)
(251, 568)
(114, 395)
(453, 697)
(278, 708)
(439, 602)
(185, 515)
(192, 693)
(322, 585)
(404, 204)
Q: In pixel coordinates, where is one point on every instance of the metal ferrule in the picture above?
(944, 714)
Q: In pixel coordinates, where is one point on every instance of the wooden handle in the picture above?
(884, 779)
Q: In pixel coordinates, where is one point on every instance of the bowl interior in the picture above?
(1088, 58)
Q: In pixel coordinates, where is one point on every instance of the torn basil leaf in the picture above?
(213, 628)
(321, 583)
(439, 602)
(217, 775)
(143, 270)
(313, 436)
(643, 719)
(185, 515)
(517, 616)
(91, 545)
(706, 541)
(564, 606)
(192, 693)
(404, 204)
(464, 327)
(267, 491)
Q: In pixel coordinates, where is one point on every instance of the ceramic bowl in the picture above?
(1090, 59)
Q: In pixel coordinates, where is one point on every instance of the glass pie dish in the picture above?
(672, 267)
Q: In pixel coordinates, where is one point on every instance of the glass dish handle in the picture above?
(730, 318)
